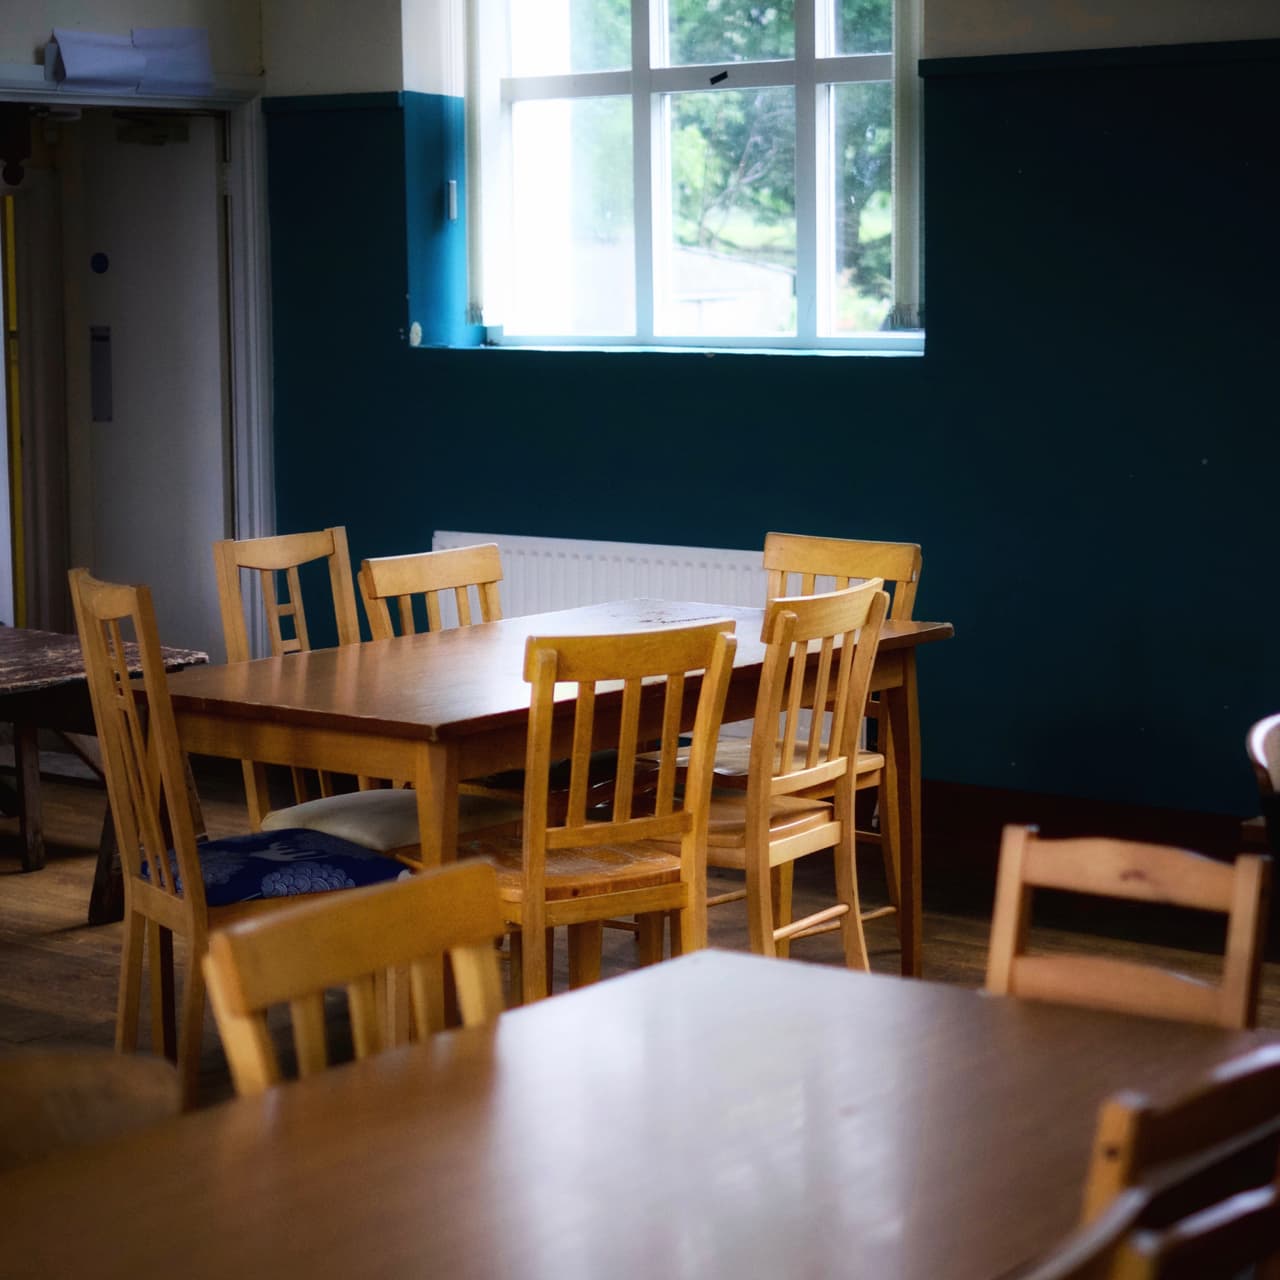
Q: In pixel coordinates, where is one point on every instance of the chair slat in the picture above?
(307, 1013)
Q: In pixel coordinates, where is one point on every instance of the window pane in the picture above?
(730, 30)
(863, 135)
(573, 230)
(864, 26)
(727, 267)
(556, 37)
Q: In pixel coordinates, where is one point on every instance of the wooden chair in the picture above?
(1183, 1189)
(175, 881)
(799, 565)
(294, 957)
(1263, 745)
(578, 872)
(1138, 873)
(381, 818)
(429, 575)
(800, 791)
(415, 584)
(53, 1100)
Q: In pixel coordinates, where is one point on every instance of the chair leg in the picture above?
(673, 932)
(130, 984)
(650, 928)
(164, 1032)
(585, 943)
(515, 977)
(535, 966)
(192, 1032)
(760, 906)
(781, 880)
(846, 857)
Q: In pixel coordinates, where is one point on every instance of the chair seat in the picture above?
(733, 758)
(580, 873)
(282, 864)
(385, 819)
(727, 824)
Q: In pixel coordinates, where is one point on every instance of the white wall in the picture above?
(233, 25)
(331, 46)
(434, 45)
(957, 28)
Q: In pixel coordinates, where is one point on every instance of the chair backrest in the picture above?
(649, 665)
(1139, 873)
(1187, 1189)
(148, 784)
(791, 556)
(1229, 1124)
(428, 574)
(789, 756)
(349, 940)
(283, 554)
(52, 1100)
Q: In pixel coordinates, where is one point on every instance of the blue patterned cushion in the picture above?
(279, 864)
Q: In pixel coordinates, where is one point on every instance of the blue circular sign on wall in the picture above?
(99, 263)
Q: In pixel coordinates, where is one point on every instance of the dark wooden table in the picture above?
(454, 704)
(42, 686)
(718, 1115)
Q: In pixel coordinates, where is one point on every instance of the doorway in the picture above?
(140, 252)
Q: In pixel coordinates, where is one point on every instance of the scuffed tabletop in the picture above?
(33, 660)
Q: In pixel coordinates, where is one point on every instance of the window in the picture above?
(698, 172)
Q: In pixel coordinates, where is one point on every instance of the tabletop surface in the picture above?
(719, 1115)
(462, 680)
(31, 660)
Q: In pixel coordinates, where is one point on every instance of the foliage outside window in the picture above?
(701, 172)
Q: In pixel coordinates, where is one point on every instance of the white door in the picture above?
(147, 362)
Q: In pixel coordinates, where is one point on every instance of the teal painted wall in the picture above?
(1086, 451)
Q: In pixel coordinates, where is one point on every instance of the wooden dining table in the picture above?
(719, 1115)
(442, 706)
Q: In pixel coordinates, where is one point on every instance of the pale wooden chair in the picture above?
(1263, 745)
(51, 1100)
(1139, 873)
(428, 576)
(415, 585)
(1187, 1188)
(801, 565)
(294, 957)
(579, 872)
(381, 818)
(175, 881)
(800, 791)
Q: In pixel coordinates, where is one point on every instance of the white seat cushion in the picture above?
(384, 819)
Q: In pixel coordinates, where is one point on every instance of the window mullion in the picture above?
(806, 177)
(644, 133)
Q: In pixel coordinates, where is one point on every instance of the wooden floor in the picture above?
(58, 976)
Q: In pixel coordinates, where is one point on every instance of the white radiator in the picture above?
(540, 574)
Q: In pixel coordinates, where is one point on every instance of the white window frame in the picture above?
(492, 93)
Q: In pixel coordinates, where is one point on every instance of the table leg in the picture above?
(436, 786)
(436, 781)
(26, 759)
(106, 901)
(903, 707)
